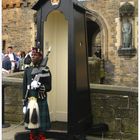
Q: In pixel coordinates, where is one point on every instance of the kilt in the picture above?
(44, 115)
(41, 113)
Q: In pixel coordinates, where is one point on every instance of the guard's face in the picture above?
(36, 58)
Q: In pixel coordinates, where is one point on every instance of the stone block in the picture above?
(130, 136)
(111, 124)
(122, 113)
(133, 102)
(118, 124)
(13, 118)
(118, 101)
(13, 109)
(129, 125)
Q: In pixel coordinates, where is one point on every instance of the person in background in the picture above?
(2, 55)
(36, 84)
(27, 59)
(6, 65)
(21, 61)
(12, 57)
(102, 71)
(18, 55)
(98, 53)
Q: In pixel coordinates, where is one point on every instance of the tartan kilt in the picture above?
(45, 123)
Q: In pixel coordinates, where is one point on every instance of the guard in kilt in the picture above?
(36, 84)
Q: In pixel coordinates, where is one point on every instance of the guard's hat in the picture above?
(36, 50)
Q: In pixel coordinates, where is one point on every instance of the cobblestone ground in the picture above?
(9, 132)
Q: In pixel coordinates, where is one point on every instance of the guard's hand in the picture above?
(42, 88)
(24, 109)
(35, 84)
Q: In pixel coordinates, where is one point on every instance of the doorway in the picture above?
(94, 37)
(56, 36)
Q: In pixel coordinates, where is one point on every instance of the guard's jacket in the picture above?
(37, 114)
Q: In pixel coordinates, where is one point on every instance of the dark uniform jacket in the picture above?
(45, 81)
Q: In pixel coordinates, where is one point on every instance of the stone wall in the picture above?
(13, 104)
(94, 70)
(120, 70)
(114, 105)
(13, 98)
(18, 28)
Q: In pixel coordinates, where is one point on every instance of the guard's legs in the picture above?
(33, 135)
(42, 136)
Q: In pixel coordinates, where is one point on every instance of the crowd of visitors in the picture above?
(15, 62)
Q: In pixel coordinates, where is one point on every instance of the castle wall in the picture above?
(116, 106)
(120, 70)
(18, 29)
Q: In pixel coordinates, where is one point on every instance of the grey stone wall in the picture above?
(94, 70)
(13, 98)
(13, 104)
(120, 70)
(114, 105)
(18, 28)
(118, 107)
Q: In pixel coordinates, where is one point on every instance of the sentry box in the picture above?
(61, 24)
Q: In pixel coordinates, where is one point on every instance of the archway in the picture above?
(97, 37)
(93, 30)
(97, 34)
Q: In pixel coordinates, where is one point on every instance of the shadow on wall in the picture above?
(97, 72)
(94, 69)
(109, 72)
